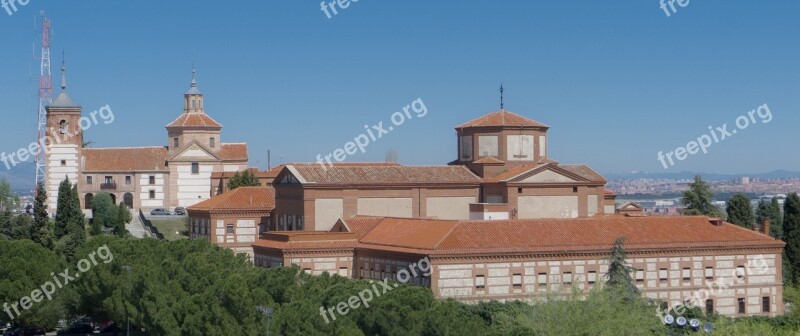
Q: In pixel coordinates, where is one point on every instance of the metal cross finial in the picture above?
(501, 96)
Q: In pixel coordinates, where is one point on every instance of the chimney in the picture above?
(765, 225)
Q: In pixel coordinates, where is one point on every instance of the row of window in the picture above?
(686, 274)
(289, 223)
(110, 179)
(212, 142)
(740, 309)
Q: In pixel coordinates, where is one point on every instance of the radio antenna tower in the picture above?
(45, 98)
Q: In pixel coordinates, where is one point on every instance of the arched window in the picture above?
(63, 126)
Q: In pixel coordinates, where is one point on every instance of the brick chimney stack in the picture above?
(765, 225)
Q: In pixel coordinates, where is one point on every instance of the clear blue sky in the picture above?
(617, 81)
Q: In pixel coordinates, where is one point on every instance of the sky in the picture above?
(617, 81)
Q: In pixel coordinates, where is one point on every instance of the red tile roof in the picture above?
(233, 151)
(502, 118)
(596, 234)
(124, 159)
(242, 198)
(489, 160)
(382, 174)
(582, 171)
(194, 119)
(288, 241)
(258, 173)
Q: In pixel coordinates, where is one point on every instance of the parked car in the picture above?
(79, 329)
(180, 211)
(112, 330)
(160, 212)
(26, 331)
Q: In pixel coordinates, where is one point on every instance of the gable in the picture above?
(195, 152)
(547, 176)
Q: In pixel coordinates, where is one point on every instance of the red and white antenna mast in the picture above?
(45, 98)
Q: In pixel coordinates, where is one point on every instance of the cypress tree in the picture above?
(791, 234)
(41, 219)
(619, 273)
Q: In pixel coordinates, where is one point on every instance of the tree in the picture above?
(698, 199)
(619, 273)
(771, 211)
(104, 213)
(69, 231)
(243, 179)
(791, 234)
(40, 232)
(6, 195)
(123, 217)
(740, 212)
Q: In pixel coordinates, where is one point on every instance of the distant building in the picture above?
(178, 174)
(535, 259)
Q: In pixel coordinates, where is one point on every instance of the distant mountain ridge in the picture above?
(20, 176)
(782, 173)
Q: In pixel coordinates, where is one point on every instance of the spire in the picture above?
(63, 73)
(194, 78)
(193, 90)
(501, 97)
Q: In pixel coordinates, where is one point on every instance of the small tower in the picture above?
(63, 142)
(193, 99)
(193, 126)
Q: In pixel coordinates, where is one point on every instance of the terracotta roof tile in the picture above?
(306, 240)
(383, 174)
(489, 160)
(194, 119)
(125, 159)
(258, 173)
(242, 198)
(441, 237)
(502, 118)
(233, 151)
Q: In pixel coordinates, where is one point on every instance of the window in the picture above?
(152, 193)
(709, 273)
(574, 189)
(709, 307)
(686, 273)
(592, 277)
(640, 276)
(516, 280)
(175, 142)
(542, 279)
(741, 306)
(152, 180)
(229, 229)
(343, 271)
(765, 304)
(88, 180)
(127, 180)
(663, 275)
(195, 168)
(568, 278)
(740, 272)
(62, 126)
(519, 190)
(63, 162)
(108, 179)
(480, 282)
(212, 142)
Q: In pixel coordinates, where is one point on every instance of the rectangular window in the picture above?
(709, 273)
(686, 273)
(568, 278)
(63, 162)
(229, 229)
(88, 180)
(639, 275)
(740, 272)
(152, 179)
(516, 280)
(343, 271)
(195, 168)
(109, 179)
(175, 142)
(480, 282)
(592, 277)
(152, 194)
(765, 304)
(663, 275)
(709, 307)
(542, 279)
(741, 306)
(212, 142)
(127, 180)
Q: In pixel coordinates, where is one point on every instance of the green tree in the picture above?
(40, 231)
(70, 226)
(771, 211)
(104, 213)
(6, 195)
(243, 179)
(123, 217)
(619, 273)
(740, 212)
(791, 233)
(698, 199)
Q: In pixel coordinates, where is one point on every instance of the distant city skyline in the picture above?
(617, 83)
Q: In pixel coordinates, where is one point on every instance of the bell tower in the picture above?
(63, 142)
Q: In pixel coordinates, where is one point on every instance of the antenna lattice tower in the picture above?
(45, 98)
